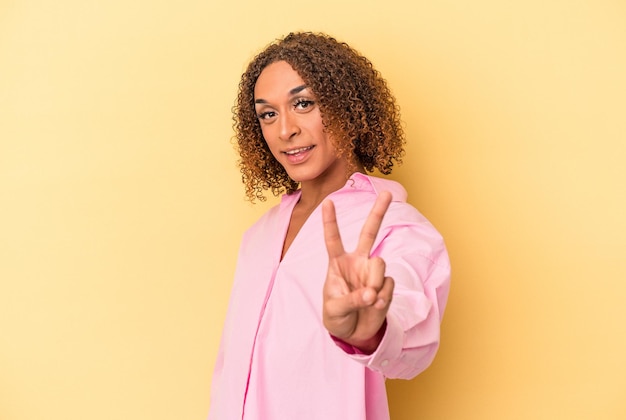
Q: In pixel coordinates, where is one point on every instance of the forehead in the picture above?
(277, 80)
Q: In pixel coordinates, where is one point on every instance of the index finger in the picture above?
(372, 224)
(334, 246)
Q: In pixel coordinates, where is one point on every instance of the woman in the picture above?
(343, 284)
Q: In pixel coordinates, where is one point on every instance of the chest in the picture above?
(298, 219)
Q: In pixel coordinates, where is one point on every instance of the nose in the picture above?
(288, 126)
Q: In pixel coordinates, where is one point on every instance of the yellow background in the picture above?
(121, 205)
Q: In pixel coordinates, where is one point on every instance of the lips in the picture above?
(299, 154)
(296, 151)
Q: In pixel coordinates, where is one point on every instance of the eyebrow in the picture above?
(292, 92)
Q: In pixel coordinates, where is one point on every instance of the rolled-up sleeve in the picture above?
(417, 260)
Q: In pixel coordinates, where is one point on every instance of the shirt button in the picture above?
(384, 363)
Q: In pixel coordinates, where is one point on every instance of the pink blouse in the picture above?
(277, 361)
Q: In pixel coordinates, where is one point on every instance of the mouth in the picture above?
(296, 152)
(299, 155)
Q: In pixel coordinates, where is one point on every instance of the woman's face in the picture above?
(292, 126)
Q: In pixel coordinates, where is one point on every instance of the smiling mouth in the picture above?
(298, 151)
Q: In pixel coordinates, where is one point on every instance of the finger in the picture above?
(332, 238)
(372, 224)
(343, 305)
(375, 273)
(385, 295)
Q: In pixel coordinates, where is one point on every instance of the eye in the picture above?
(303, 104)
(266, 115)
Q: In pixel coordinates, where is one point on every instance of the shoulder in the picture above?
(398, 193)
(372, 186)
(368, 188)
(404, 225)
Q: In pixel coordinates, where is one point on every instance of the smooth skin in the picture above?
(356, 292)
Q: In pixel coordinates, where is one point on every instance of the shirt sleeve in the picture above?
(417, 260)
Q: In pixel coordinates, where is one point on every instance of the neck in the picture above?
(312, 193)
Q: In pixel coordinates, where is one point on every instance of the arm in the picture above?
(412, 334)
(415, 261)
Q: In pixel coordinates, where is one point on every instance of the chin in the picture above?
(301, 176)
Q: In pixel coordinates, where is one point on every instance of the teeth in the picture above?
(296, 151)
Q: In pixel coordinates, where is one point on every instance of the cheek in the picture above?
(271, 145)
(320, 131)
(268, 132)
(263, 131)
(266, 136)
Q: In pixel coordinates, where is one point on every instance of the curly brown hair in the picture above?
(358, 110)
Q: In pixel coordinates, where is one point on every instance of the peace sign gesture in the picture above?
(356, 292)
